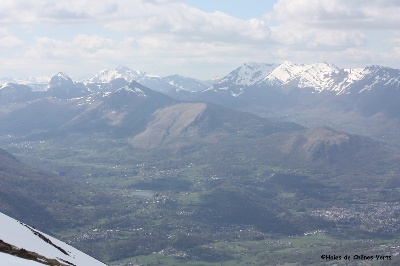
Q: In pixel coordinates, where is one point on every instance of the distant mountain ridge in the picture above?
(319, 77)
(321, 91)
(155, 82)
(314, 94)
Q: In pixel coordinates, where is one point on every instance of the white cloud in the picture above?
(344, 14)
(139, 17)
(186, 23)
(332, 26)
(7, 40)
(150, 33)
(81, 47)
(316, 39)
(166, 35)
(10, 42)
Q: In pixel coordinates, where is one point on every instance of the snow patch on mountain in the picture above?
(25, 237)
(247, 74)
(284, 73)
(318, 76)
(5, 85)
(62, 75)
(135, 90)
(152, 81)
(107, 75)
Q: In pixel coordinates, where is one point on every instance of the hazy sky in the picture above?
(197, 38)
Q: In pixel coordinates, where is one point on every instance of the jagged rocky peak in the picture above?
(245, 75)
(61, 79)
(63, 87)
(256, 69)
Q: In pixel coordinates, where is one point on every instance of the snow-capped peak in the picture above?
(61, 79)
(107, 75)
(61, 75)
(245, 75)
(285, 72)
(318, 75)
(248, 73)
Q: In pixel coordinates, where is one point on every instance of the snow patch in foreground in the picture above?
(23, 236)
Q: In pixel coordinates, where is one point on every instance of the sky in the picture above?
(195, 38)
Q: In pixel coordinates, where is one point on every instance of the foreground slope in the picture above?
(29, 244)
(25, 192)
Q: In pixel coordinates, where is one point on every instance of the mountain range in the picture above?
(318, 76)
(254, 82)
(315, 94)
(358, 100)
(206, 163)
(162, 84)
(369, 90)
